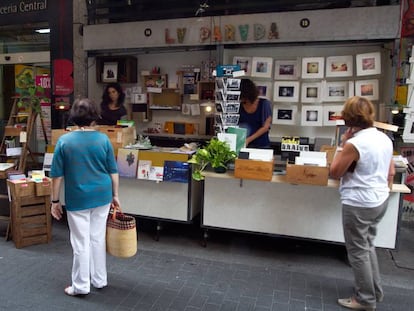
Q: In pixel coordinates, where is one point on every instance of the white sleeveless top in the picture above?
(367, 186)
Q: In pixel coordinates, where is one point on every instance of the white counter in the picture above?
(280, 208)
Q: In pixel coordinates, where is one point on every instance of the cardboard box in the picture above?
(307, 174)
(330, 152)
(119, 136)
(56, 134)
(253, 169)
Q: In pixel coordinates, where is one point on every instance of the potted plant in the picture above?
(216, 153)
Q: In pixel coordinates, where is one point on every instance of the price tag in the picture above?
(23, 137)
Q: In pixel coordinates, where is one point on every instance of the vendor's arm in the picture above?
(343, 159)
(265, 128)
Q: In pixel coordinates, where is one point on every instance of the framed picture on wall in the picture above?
(264, 88)
(312, 67)
(110, 72)
(368, 64)
(245, 64)
(311, 92)
(339, 66)
(262, 67)
(286, 91)
(312, 115)
(284, 114)
(286, 69)
(337, 91)
(367, 88)
(332, 113)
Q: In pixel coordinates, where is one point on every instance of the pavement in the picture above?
(234, 271)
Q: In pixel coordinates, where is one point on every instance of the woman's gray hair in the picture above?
(84, 112)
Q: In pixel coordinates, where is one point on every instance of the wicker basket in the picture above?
(121, 234)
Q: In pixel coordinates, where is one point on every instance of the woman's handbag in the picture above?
(121, 234)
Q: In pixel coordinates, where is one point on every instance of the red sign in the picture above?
(63, 80)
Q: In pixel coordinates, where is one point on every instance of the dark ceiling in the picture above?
(22, 37)
(117, 11)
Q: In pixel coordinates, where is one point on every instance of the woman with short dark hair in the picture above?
(255, 115)
(84, 160)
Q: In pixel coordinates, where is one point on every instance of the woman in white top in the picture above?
(365, 167)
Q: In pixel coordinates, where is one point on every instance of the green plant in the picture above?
(32, 97)
(216, 153)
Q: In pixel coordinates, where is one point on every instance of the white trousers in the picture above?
(87, 236)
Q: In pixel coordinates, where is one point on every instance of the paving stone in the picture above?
(195, 279)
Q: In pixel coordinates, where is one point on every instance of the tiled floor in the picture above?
(234, 272)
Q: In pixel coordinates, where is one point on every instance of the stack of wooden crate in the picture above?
(30, 211)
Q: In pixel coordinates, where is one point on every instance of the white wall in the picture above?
(365, 23)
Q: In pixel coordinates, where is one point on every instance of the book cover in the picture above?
(144, 167)
(156, 173)
(127, 161)
(241, 136)
(176, 171)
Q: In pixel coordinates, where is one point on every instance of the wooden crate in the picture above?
(307, 174)
(119, 136)
(253, 169)
(31, 218)
(43, 188)
(10, 130)
(19, 189)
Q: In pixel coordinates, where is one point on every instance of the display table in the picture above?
(161, 200)
(280, 208)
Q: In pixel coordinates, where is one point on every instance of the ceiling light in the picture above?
(43, 30)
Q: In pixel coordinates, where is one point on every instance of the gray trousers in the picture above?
(360, 229)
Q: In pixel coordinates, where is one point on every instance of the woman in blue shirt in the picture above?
(84, 160)
(255, 115)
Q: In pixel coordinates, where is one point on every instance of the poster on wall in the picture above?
(44, 119)
(27, 78)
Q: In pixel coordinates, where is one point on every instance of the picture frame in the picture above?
(313, 67)
(408, 133)
(264, 88)
(286, 91)
(262, 67)
(285, 114)
(332, 113)
(232, 107)
(312, 115)
(367, 89)
(336, 91)
(339, 66)
(110, 72)
(311, 92)
(286, 69)
(368, 64)
(245, 64)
